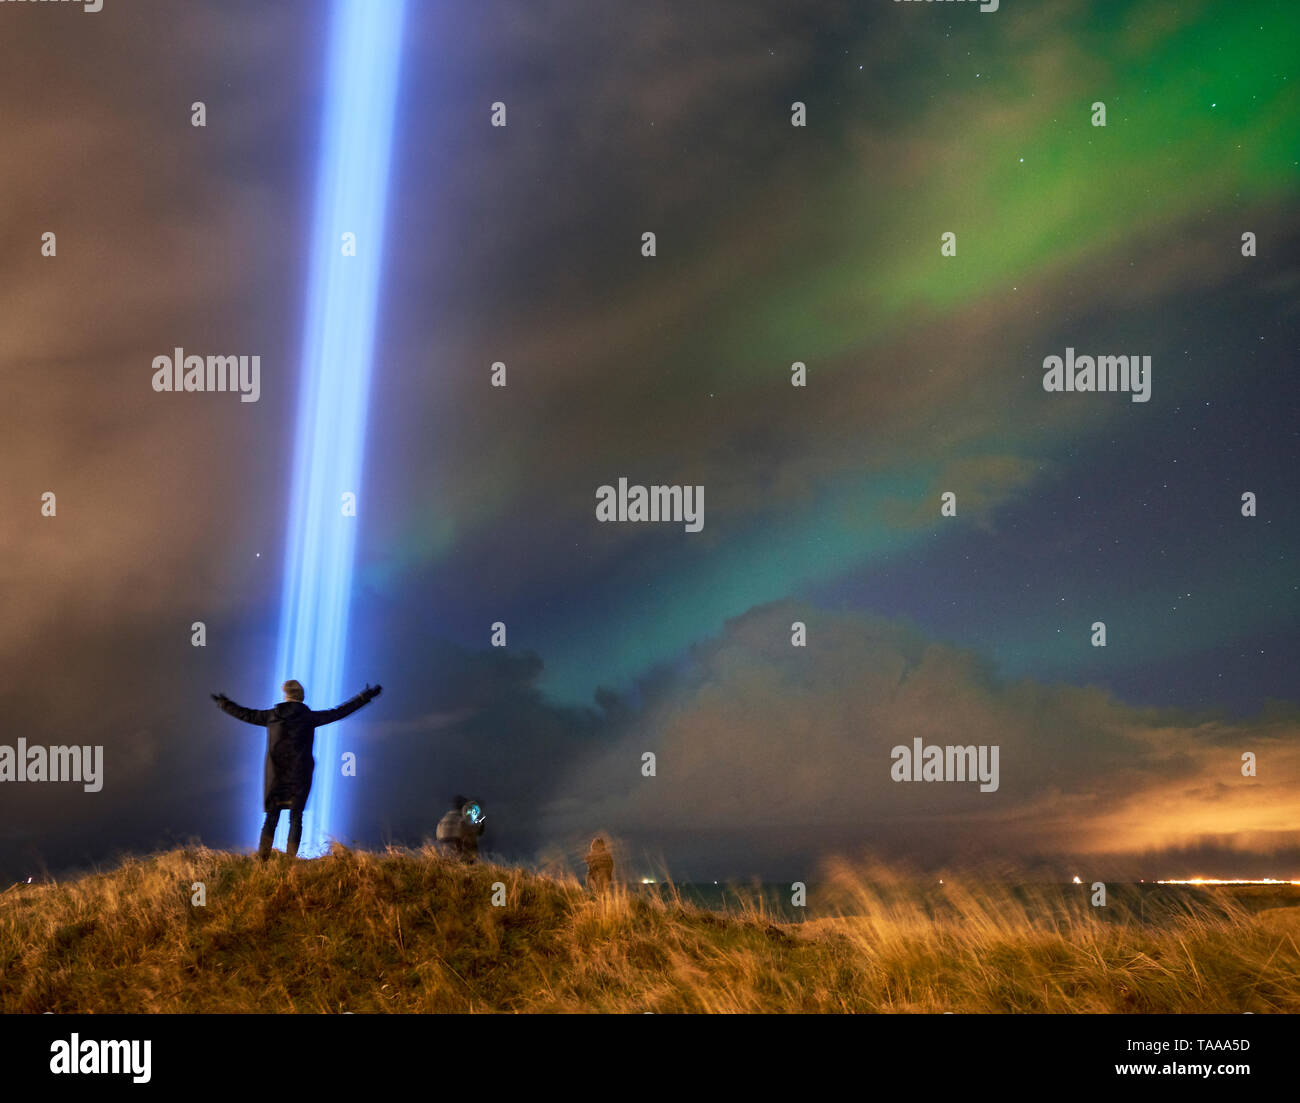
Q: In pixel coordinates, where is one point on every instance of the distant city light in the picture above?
(1216, 881)
(1077, 881)
(651, 881)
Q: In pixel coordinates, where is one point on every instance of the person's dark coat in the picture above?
(290, 730)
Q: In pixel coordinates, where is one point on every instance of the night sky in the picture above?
(775, 244)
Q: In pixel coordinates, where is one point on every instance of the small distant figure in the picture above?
(460, 828)
(600, 865)
(290, 730)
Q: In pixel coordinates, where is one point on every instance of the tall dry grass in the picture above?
(409, 931)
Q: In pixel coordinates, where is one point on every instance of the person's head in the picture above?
(597, 843)
(293, 690)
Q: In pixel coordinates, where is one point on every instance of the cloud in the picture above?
(757, 739)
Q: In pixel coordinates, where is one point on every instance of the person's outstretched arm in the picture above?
(260, 717)
(328, 716)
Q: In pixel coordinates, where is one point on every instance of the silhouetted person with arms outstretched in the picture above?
(290, 729)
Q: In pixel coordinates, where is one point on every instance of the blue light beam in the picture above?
(338, 345)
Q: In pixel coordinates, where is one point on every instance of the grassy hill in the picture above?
(408, 931)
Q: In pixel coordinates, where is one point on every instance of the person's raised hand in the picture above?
(219, 697)
(372, 692)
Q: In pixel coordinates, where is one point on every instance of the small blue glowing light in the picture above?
(338, 344)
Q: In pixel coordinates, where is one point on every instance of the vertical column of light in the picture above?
(338, 344)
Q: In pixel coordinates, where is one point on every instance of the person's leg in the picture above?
(268, 834)
(295, 832)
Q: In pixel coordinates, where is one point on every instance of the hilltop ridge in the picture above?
(411, 931)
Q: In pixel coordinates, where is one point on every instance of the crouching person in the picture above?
(460, 828)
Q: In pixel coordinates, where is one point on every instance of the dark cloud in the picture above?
(757, 740)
